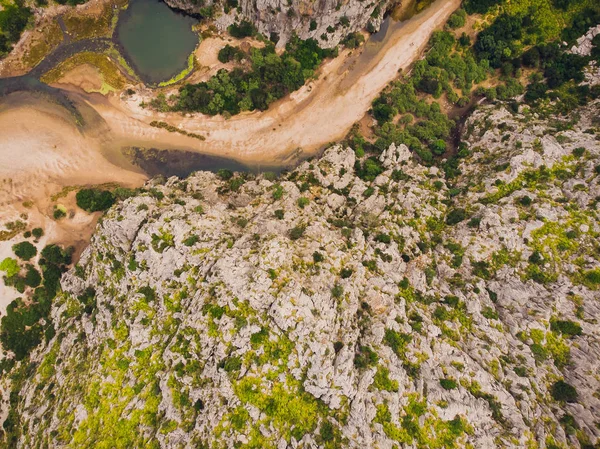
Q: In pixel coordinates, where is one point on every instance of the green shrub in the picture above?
(448, 384)
(10, 266)
(225, 174)
(565, 327)
(456, 216)
(337, 291)
(242, 30)
(37, 233)
(345, 273)
(279, 214)
(397, 342)
(563, 392)
(457, 19)
(278, 192)
(191, 240)
(303, 202)
(24, 250)
(32, 277)
(382, 380)
(58, 213)
(297, 231)
(591, 278)
(365, 357)
(94, 200)
(228, 53)
(383, 238)
(525, 201)
(579, 151)
(318, 257)
(474, 222)
(232, 364)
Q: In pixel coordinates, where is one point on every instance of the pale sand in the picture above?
(42, 151)
(85, 76)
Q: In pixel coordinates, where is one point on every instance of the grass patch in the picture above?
(85, 27)
(174, 129)
(112, 77)
(38, 51)
(181, 75)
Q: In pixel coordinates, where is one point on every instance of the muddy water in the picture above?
(396, 20)
(155, 39)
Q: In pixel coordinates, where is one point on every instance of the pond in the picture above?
(156, 40)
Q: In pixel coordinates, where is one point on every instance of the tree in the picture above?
(94, 200)
(456, 216)
(24, 250)
(242, 30)
(563, 392)
(457, 19)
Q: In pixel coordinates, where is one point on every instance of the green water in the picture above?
(156, 40)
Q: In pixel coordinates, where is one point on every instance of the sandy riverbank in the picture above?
(320, 112)
(43, 151)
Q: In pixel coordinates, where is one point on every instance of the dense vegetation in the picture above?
(26, 324)
(449, 68)
(94, 200)
(14, 17)
(264, 78)
(519, 38)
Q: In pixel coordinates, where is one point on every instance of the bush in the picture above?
(591, 278)
(337, 291)
(456, 216)
(565, 327)
(10, 266)
(369, 170)
(32, 277)
(13, 20)
(297, 231)
(242, 30)
(228, 53)
(578, 152)
(54, 254)
(24, 250)
(269, 76)
(345, 273)
(353, 40)
(59, 213)
(278, 192)
(457, 19)
(448, 384)
(397, 341)
(383, 238)
(191, 240)
(365, 357)
(94, 200)
(37, 233)
(563, 392)
(525, 201)
(303, 202)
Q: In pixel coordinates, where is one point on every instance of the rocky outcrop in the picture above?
(346, 304)
(584, 47)
(328, 21)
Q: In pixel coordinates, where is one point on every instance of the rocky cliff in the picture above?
(328, 21)
(345, 304)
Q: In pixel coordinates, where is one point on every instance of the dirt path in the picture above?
(321, 112)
